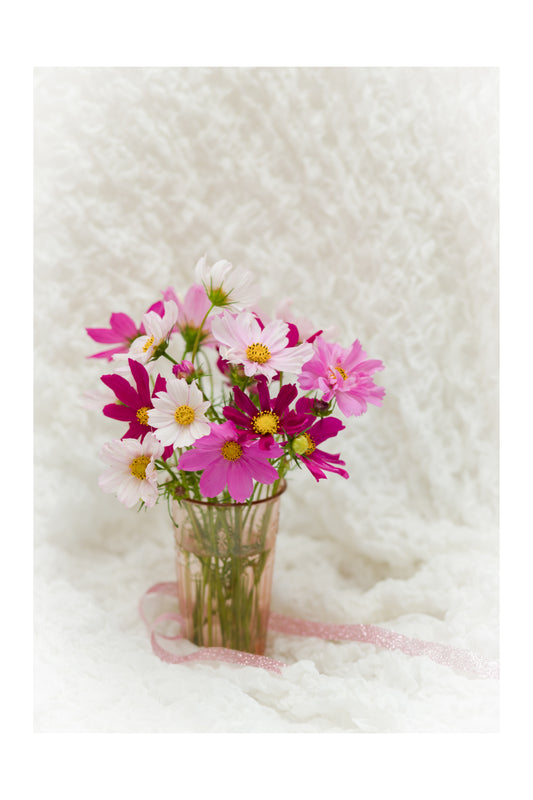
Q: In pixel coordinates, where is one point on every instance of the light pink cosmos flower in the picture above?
(192, 311)
(131, 472)
(344, 374)
(227, 285)
(227, 458)
(157, 329)
(261, 351)
(179, 413)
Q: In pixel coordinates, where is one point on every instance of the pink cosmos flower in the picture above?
(344, 374)
(122, 331)
(294, 336)
(131, 472)
(260, 350)
(158, 329)
(191, 315)
(305, 445)
(227, 458)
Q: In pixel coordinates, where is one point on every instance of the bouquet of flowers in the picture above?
(218, 404)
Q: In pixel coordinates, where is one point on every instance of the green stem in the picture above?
(199, 331)
(166, 355)
(159, 462)
(209, 373)
(227, 545)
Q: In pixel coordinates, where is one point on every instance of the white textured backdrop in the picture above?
(369, 197)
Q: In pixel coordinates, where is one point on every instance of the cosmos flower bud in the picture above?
(320, 407)
(185, 369)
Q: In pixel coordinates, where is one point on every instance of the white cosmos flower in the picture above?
(157, 331)
(131, 472)
(261, 351)
(227, 285)
(179, 414)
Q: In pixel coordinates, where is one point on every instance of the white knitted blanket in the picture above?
(370, 198)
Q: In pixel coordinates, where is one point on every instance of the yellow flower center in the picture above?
(341, 372)
(138, 467)
(142, 415)
(303, 445)
(265, 422)
(148, 343)
(258, 353)
(231, 451)
(184, 415)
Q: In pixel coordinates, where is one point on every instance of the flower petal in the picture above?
(194, 460)
(261, 470)
(236, 416)
(123, 325)
(178, 391)
(142, 381)
(275, 335)
(110, 353)
(325, 429)
(104, 335)
(129, 492)
(116, 411)
(199, 429)
(123, 389)
(240, 482)
(286, 395)
(243, 401)
(214, 478)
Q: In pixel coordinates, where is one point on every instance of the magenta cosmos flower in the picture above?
(131, 472)
(344, 374)
(270, 418)
(122, 332)
(305, 445)
(227, 458)
(260, 350)
(134, 404)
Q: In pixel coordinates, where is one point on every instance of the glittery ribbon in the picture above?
(459, 660)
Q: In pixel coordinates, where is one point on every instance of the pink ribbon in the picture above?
(459, 660)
